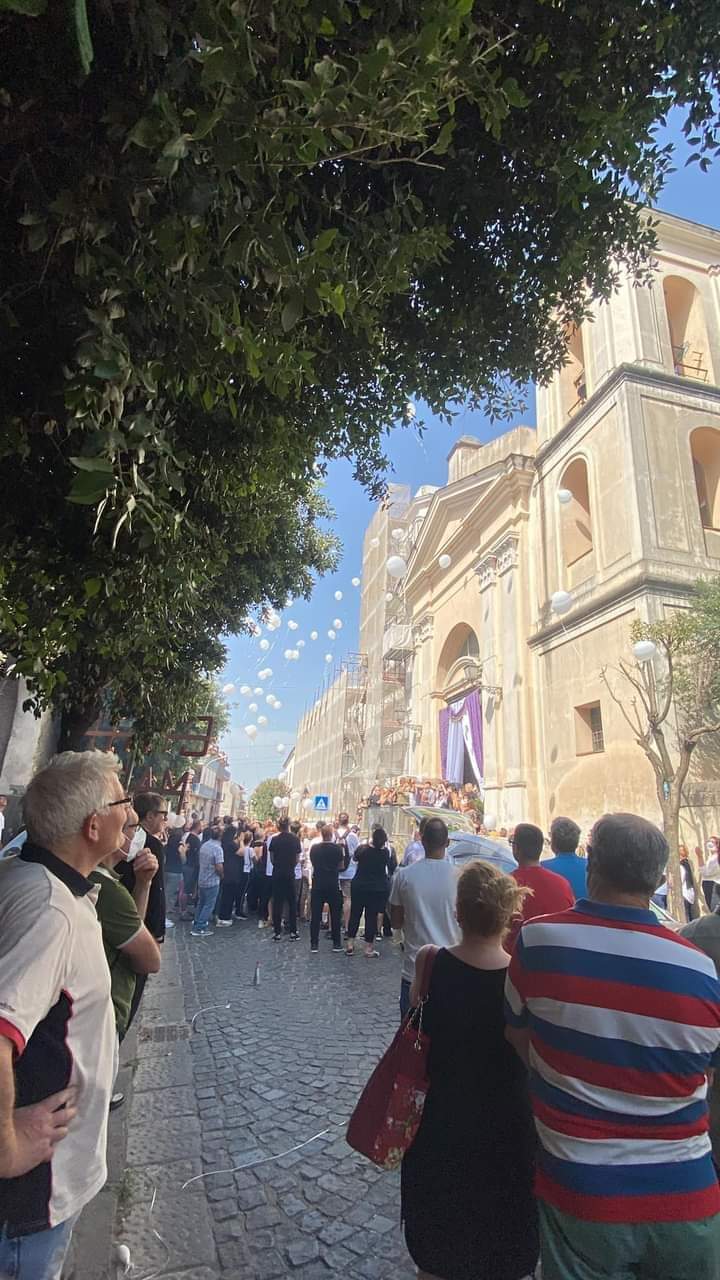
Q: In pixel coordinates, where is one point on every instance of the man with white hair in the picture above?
(57, 1033)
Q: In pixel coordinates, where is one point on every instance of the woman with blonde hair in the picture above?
(467, 1198)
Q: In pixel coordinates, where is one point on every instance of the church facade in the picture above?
(613, 501)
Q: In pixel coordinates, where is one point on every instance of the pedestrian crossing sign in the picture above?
(322, 804)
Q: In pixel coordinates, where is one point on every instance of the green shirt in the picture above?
(120, 923)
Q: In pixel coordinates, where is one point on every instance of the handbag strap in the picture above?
(427, 974)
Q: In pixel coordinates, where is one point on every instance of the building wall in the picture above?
(319, 745)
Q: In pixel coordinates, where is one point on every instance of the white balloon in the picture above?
(262, 719)
(280, 746)
(356, 582)
(292, 624)
(444, 561)
(332, 635)
(564, 496)
(251, 730)
(245, 688)
(278, 802)
(258, 691)
(270, 699)
(288, 655)
(397, 535)
(301, 644)
(409, 411)
(264, 645)
(253, 706)
(560, 601)
(338, 595)
(644, 650)
(277, 704)
(396, 567)
(313, 635)
(374, 544)
(228, 688)
(328, 657)
(307, 803)
(389, 596)
(337, 623)
(266, 673)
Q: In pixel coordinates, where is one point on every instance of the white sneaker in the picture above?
(224, 924)
(200, 933)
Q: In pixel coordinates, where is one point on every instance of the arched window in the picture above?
(573, 381)
(575, 517)
(462, 642)
(688, 333)
(705, 450)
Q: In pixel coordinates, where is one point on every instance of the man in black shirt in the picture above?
(285, 854)
(327, 860)
(152, 810)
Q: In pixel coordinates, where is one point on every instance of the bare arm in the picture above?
(519, 1038)
(143, 952)
(29, 1135)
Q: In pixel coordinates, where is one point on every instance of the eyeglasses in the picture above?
(160, 813)
(131, 826)
(125, 800)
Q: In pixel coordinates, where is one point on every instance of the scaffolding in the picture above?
(355, 668)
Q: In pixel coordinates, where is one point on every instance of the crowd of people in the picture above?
(573, 1036)
(437, 794)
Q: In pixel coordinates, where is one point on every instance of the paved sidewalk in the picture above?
(284, 1062)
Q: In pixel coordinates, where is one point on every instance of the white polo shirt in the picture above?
(55, 1008)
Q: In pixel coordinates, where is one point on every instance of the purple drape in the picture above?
(474, 709)
(444, 727)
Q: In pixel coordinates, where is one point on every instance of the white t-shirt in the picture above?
(413, 853)
(426, 891)
(55, 1008)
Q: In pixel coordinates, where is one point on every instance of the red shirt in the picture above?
(550, 893)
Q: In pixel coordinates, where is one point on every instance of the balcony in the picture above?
(397, 641)
(689, 364)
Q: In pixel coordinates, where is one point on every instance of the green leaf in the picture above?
(145, 133)
(514, 93)
(92, 586)
(31, 219)
(292, 311)
(325, 239)
(177, 148)
(31, 8)
(326, 27)
(87, 488)
(82, 35)
(444, 138)
(107, 369)
(96, 463)
(463, 7)
(37, 236)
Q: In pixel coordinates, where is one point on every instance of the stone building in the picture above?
(613, 499)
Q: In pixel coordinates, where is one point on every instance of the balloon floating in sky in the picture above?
(409, 411)
(301, 644)
(251, 730)
(277, 704)
(270, 699)
(313, 635)
(245, 688)
(228, 688)
(307, 803)
(328, 657)
(564, 496)
(253, 706)
(264, 645)
(396, 567)
(337, 623)
(444, 561)
(356, 582)
(560, 601)
(332, 635)
(258, 691)
(262, 719)
(338, 595)
(389, 596)
(288, 655)
(280, 746)
(292, 624)
(278, 802)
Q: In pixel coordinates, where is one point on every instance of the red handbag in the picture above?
(389, 1110)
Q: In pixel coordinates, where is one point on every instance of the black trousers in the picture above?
(284, 891)
(231, 896)
(372, 903)
(333, 897)
(264, 898)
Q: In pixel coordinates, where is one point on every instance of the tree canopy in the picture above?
(236, 236)
(261, 800)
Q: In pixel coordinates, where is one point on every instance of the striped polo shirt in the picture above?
(624, 1023)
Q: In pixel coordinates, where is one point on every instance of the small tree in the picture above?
(681, 673)
(261, 800)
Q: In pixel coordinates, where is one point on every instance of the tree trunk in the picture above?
(671, 827)
(74, 724)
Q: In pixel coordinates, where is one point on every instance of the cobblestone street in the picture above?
(285, 1061)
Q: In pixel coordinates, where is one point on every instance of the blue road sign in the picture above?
(322, 804)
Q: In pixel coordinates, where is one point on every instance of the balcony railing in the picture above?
(397, 640)
(688, 364)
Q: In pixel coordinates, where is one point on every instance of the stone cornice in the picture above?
(639, 374)
(498, 559)
(598, 604)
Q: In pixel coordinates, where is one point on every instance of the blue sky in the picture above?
(688, 193)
